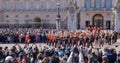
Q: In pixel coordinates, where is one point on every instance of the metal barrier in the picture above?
(70, 58)
(81, 58)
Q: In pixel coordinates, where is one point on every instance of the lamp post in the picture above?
(58, 18)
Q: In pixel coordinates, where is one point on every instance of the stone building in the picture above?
(98, 13)
(24, 12)
(91, 12)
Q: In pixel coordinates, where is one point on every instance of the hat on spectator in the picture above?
(9, 58)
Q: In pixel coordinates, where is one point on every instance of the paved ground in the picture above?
(22, 45)
(112, 46)
(116, 44)
(42, 45)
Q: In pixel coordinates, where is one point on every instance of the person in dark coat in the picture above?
(115, 35)
(2, 57)
(114, 55)
(118, 57)
(81, 40)
(75, 55)
(32, 38)
(44, 38)
(16, 38)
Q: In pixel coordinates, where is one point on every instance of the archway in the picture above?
(37, 21)
(98, 20)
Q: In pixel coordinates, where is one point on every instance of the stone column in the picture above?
(117, 21)
(58, 26)
(117, 16)
(104, 24)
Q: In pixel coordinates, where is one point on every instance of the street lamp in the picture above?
(58, 18)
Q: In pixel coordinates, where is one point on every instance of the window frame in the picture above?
(27, 7)
(97, 2)
(86, 4)
(108, 5)
(7, 5)
(17, 6)
(37, 5)
(47, 5)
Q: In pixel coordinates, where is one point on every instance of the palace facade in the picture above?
(98, 13)
(92, 12)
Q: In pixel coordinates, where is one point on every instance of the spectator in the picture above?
(118, 57)
(1, 55)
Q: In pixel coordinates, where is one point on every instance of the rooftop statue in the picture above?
(72, 5)
(117, 6)
(72, 15)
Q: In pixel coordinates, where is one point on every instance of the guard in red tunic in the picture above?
(27, 38)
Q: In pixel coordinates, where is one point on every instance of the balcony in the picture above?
(101, 9)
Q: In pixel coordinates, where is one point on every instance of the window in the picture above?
(37, 6)
(108, 4)
(26, 15)
(47, 6)
(7, 5)
(87, 23)
(7, 15)
(16, 15)
(88, 4)
(30, 20)
(108, 24)
(98, 4)
(47, 16)
(16, 20)
(17, 7)
(0, 8)
(27, 6)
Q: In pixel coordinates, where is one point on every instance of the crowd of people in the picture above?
(30, 35)
(60, 54)
(63, 45)
(31, 54)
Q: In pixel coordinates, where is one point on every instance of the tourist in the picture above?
(118, 57)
